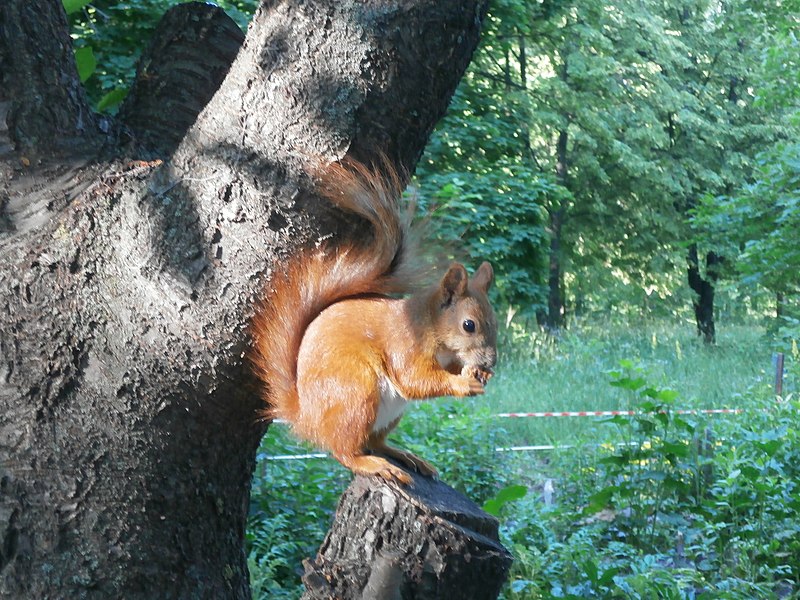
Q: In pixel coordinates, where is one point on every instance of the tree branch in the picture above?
(47, 111)
(190, 54)
(378, 79)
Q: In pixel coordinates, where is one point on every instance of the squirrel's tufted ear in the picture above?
(483, 277)
(454, 283)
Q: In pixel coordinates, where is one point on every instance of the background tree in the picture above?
(571, 106)
(111, 35)
(715, 129)
(610, 123)
(128, 417)
(477, 179)
(756, 221)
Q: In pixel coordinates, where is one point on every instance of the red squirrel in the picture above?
(341, 349)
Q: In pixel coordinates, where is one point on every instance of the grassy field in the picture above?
(573, 374)
(293, 499)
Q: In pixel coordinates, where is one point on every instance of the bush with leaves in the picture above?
(291, 506)
(496, 216)
(673, 511)
(759, 224)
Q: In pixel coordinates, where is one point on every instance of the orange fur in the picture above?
(340, 356)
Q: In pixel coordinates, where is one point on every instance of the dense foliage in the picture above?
(612, 123)
(110, 35)
(677, 506)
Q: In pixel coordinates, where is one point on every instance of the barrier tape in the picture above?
(606, 413)
(539, 448)
(295, 456)
(514, 415)
(618, 413)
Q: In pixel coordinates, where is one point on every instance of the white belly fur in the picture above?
(391, 406)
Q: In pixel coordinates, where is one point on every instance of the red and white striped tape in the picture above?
(606, 413)
(617, 413)
(579, 413)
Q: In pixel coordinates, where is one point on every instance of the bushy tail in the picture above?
(318, 278)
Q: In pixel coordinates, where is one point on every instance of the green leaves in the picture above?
(112, 99)
(73, 6)
(761, 222)
(491, 212)
(115, 33)
(86, 62)
(631, 379)
(599, 580)
(503, 497)
(602, 498)
(629, 383)
(652, 104)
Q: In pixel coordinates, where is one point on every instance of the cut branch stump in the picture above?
(392, 542)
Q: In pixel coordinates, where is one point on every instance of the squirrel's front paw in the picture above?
(469, 385)
(481, 375)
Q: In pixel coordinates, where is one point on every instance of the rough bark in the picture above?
(41, 96)
(555, 301)
(422, 542)
(128, 415)
(185, 63)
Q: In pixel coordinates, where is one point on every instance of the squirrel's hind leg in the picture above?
(347, 426)
(412, 461)
(365, 464)
(377, 445)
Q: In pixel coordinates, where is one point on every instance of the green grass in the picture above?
(537, 374)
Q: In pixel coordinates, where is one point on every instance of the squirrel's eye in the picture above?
(469, 326)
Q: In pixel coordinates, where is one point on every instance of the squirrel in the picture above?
(343, 341)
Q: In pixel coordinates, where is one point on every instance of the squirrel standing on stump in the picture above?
(341, 351)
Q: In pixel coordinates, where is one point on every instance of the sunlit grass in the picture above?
(538, 374)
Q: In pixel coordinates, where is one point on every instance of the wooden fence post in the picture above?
(777, 360)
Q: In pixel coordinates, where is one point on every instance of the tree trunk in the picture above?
(423, 542)
(128, 413)
(703, 302)
(555, 298)
(43, 103)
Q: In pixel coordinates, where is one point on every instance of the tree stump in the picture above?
(391, 542)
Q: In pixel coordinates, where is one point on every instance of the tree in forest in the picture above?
(640, 110)
(572, 121)
(133, 249)
(715, 126)
(756, 221)
(757, 226)
(476, 176)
